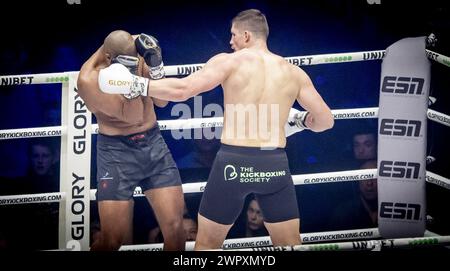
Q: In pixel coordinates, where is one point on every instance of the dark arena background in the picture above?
(59, 36)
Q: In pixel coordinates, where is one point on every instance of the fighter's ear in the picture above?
(246, 36)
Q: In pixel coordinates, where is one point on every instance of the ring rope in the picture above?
(437, 180)
(179, 70)
(32, 198)
(314, 237)
(374, 245)
(438, 117)
(264, 241)
(195, 123)
(302, 179)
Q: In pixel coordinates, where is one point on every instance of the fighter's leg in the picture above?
(281, 216)
(116, 219)
(284, 233)
(210, 234)
(221, 203)
(168, 205)
(219, 208)
(128, 240)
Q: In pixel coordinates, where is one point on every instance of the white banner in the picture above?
(402, 137)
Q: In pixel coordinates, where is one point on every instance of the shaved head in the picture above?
(119, 42)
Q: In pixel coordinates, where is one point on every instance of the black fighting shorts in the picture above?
(239, 171)
(124, 162)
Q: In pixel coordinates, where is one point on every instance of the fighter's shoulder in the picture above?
(87, 76)
(296, 70)
(220, 57)
(245, 55)
(224, 60)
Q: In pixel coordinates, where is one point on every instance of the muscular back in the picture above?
(264, 87)
(259, 90)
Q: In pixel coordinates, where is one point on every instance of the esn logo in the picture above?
(399, 169)
(402, 85)
(400, 127)
(399, 210)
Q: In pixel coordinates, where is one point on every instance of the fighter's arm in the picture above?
(319, 117)
(113, 106)
(146, 73)
(215, 72)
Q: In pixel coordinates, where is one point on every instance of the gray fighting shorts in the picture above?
(124, 162)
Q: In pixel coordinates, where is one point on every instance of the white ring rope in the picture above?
(32, 198)
(197, 187)
(180, 70)
(437, 180)
(361, 245)
(265, 244)
(264, 241)
(338, 114)
(438, 117)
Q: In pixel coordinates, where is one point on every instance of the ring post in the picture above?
(75, 174)
(402, 134)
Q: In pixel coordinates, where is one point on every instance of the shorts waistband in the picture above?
(136, 136)
(251, 150)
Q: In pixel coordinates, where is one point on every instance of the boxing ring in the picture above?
(75, 163)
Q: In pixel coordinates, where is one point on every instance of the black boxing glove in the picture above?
(148, 47)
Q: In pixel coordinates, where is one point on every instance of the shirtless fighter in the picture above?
(130, 148)
(250, 160)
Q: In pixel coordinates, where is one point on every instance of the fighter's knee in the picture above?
(173, 229)
(174, 225)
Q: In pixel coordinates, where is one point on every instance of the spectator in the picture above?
(364, 146)
(34, 226)
(189, 226)
(361, 210)
(43, 171)
(251, 222)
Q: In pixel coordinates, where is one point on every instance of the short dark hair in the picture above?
(252, 20)
(40, 141)
(365, 126)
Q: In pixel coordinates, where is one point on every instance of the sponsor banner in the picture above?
(32, 198)
(335, 58)
(356, 113)
(334, 177)
(33, 79)
(402, 123)
(340, 235)
(31, 132)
